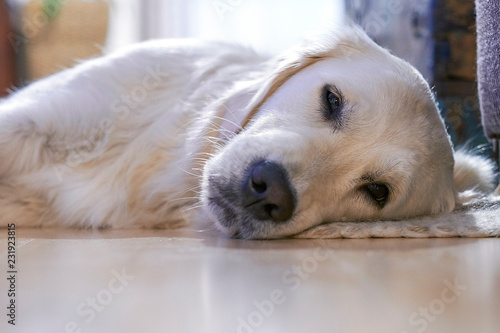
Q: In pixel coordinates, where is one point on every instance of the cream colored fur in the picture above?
(141, 138)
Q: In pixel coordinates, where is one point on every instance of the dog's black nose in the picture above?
(267, 193)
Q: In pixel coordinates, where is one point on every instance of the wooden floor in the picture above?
(186, 281)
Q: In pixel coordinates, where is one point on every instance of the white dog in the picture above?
(337, 129)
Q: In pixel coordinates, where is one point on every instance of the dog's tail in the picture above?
(474, 176)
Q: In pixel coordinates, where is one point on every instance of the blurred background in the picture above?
(41, 37)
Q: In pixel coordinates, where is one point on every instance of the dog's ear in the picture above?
(232, 108)
(344, 41)
(473, 176)
(244, 100)
(284, 69)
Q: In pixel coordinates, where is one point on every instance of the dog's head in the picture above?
(340, 131)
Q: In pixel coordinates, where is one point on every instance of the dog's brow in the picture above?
(369, 178)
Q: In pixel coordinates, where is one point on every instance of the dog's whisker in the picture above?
(188, 172)
(187, 209)
(182, 199)
(238, 126)
(194, 189)
(221, 140)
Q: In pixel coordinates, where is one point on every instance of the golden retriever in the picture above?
(176, 132)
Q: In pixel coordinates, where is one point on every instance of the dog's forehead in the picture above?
(391, 112)
(373, 77)
(385, 91)
(387, 103)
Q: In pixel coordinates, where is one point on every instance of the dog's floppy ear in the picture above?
(473, 176)
(242, 102)
(344, 41)
(285, 68)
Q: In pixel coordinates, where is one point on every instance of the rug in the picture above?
(476, 219)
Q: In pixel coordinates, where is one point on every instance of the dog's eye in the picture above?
(379, 193)
(333, 100)
(333, 103)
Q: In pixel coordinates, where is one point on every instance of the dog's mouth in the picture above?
(256, 205)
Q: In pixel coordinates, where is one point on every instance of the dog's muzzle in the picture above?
(266, 192)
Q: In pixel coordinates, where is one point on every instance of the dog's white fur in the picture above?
(138, 137)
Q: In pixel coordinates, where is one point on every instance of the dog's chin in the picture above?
(223, 216)
(231, 232)
(234, 223)
(228, 221)
(246, 227)
(247, 231)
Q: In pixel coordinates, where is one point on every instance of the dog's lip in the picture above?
(253, 203)
(221, 203)
(236, 234)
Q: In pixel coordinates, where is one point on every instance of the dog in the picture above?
(170, 133)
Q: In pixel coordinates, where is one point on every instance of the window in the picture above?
(267, 26)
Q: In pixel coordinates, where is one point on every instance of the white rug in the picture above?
(477, 219)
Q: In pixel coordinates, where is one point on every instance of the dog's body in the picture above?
(335, 130)
(113, 142)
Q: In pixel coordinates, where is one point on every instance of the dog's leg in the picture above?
(22, 207)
